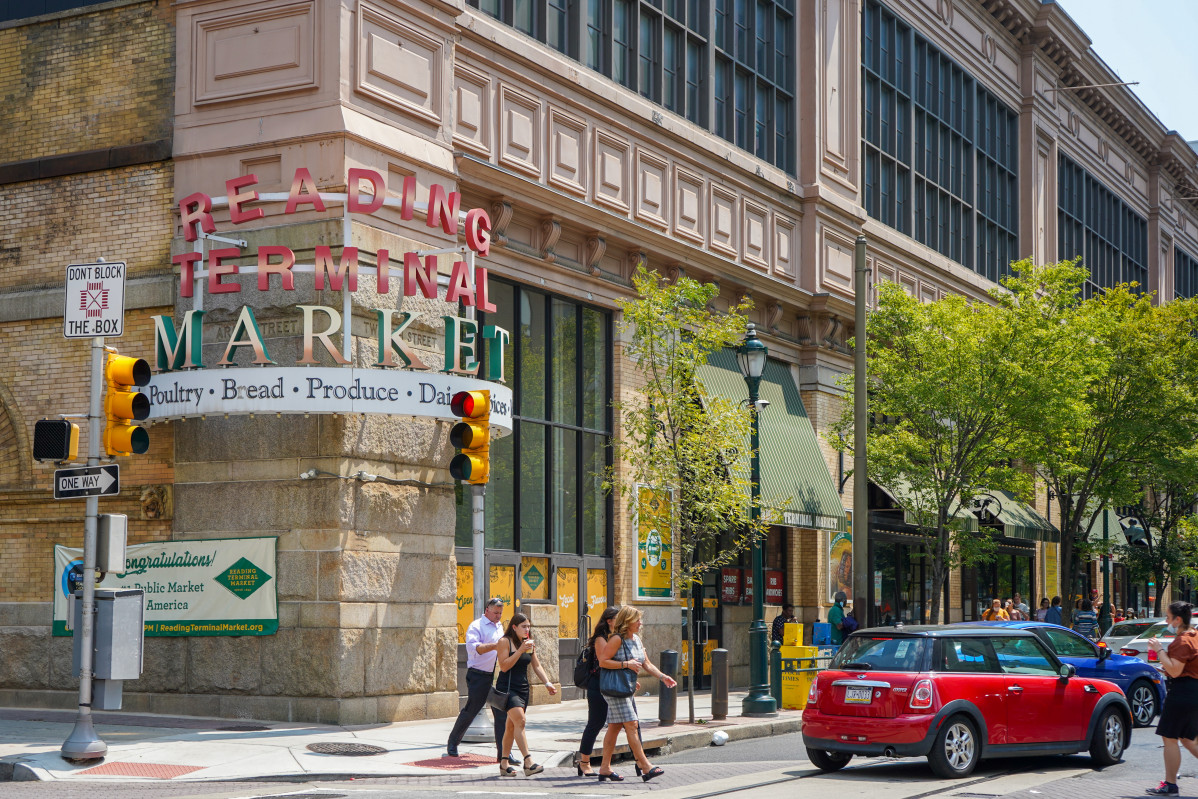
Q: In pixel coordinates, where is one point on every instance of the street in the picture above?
(751, 769)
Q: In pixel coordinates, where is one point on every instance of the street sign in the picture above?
(87, 481)
(95, 300)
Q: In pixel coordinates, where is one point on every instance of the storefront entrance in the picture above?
(1011, 572)
(903, 578)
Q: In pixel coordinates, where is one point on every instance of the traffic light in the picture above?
(472, 436)
(55, 440)
(123, 405)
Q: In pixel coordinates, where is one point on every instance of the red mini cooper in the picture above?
(957, 695)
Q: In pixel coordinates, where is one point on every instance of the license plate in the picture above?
(861, 696)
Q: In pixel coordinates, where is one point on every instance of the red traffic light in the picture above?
(470, 404)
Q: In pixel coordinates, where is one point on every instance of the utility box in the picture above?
(112, 533)
(117, 634)
(792, 634)
(821, 634)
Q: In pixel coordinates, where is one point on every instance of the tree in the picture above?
(675, 436)
(1135, 403)
(951, 383)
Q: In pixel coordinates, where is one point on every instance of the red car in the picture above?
(956, 695)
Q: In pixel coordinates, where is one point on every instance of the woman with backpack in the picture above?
(596, 703)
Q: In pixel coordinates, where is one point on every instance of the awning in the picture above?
(794, 476)
(1018, 519)
(903, 496)
(1121, 529)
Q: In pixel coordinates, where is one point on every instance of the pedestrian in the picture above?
(1042, 611)
(624, 650)
(1024, 610)
(787, 616)
(836, 617)
(596, 703)
(995, 612)
(1053, 616)
(482, 637)
(1086, 622)
(1119, 615)
(516, 652)
(1013, 612)
(1179, 717)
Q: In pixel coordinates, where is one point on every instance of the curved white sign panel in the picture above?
(319, 389)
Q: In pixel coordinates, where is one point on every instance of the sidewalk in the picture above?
(152, 748)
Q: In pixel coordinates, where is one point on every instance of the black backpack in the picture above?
(584, 667)
(849, 622)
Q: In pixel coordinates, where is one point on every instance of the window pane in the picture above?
(1022, 656)
(532, 486)
(523, 18)
(503, 295)
(499, 505)
(491, 7)
(593, 57)
(532, 336)
(565, 490)
(647, 51)
(565, 362)
(463, 535)
(621, 42)
(672, 68)
(555, 24)
(594, 502)
(594, 369)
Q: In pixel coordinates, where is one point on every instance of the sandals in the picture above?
(656, 771)
(505, 768)
(614, 777)
(534, 768)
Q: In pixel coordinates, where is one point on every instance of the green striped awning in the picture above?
(794, 476)
(903, 496)
(1120, 529)
(1020, 520)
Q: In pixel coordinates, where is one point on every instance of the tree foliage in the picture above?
(675, 435)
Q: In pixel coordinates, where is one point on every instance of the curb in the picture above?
(659, 741)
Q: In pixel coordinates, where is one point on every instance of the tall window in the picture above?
(545, 493)
(739, 83)
(940, 151)
(1185, 274)
(1093, 223)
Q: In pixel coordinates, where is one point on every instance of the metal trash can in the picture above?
(798, 672)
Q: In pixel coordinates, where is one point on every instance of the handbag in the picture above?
(617, 683)
(496, 698)
(582, 669)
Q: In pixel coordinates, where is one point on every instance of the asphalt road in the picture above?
(755, 769)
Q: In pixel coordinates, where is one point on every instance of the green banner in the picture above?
(222, 586)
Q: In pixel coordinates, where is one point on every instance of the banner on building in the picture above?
(1051, 574)
(567, 603)
(502, 584)
(840, 565)
(596, 595)
(222, 586)
(654, 544)
(465, 600)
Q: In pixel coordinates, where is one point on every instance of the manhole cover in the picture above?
(244, 728)
(349, 750)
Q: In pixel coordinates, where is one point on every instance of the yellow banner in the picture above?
(654, 544)
(567, 603)
(684, 658)
(465, 600)
(1051, 574)
(596, 595)
(534, 578)
(503, 585)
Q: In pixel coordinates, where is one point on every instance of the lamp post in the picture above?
(751, 357)
(1104, 617)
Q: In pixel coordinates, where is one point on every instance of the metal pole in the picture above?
(1104, 618)
(83, 743)
(861, 565)
(481, 729)
(758, 702)
(667, 698)
(719, 681)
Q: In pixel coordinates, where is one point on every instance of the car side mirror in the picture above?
(1067, 670)
(1103, 653)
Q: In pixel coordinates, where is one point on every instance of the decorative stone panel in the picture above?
(836, 261)
(568, 151)
(786, 247)
(688, 205)
(254, 54)
(398, 65)
(520, 131)
(472, 94)
(652, 175)
(723, 220)
(756, 222)
(611, 171)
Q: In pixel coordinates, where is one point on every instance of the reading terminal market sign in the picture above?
(401, 384)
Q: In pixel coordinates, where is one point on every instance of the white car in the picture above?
(1124, 631)
(1138, 646)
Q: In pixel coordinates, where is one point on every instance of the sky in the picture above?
(1154, 42)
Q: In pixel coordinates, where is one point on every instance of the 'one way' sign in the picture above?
(87, 481)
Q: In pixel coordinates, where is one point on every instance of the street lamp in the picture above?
(751, 357)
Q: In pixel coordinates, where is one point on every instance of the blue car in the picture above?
(1141, 683)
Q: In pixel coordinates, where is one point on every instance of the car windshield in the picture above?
(1155, 631)
(1129, 629)
(881, 653)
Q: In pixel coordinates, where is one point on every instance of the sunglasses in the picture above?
(494, 602)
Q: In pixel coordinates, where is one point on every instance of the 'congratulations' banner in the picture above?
(213, 587)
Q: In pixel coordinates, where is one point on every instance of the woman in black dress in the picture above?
(516, 653)
(1179, 717)
(596, 703)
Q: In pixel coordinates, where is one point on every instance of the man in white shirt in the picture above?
(481, 638)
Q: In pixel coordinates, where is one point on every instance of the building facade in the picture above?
(742, 143)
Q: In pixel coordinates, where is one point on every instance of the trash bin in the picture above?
(798, 672)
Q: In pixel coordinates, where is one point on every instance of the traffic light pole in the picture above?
(83, 743)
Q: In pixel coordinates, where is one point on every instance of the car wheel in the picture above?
(1106, 747)
(957, 749)
(1143, 700)
(828, 761)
